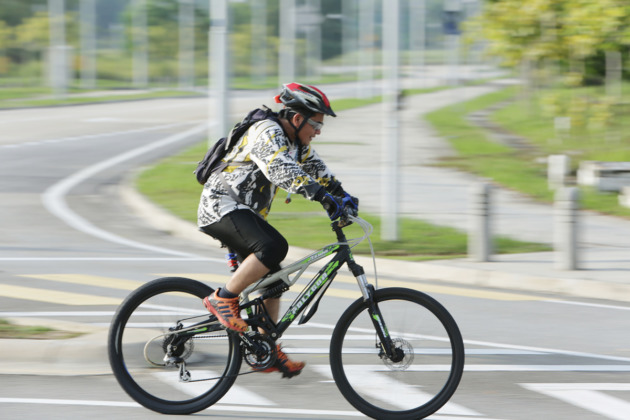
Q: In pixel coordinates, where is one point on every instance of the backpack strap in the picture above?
(239, 130)
(228, 188)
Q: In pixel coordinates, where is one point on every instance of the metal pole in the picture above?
(566, 229)
(259, 41)
(57, 60)
(349, 33)
(286, 70)
(218, 67)
(87, 12)
(452, 10)
(186, 44)
(140, 49)
(480, 245)
(417, 27)
(366, 48)
(314, 41)
(390, 140)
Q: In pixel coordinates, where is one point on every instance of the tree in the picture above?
(32, 34)
(572, 33)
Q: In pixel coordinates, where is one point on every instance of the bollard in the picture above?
(558, 167)
(480, 244)
(566, 228)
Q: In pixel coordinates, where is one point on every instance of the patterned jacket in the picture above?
(262, 160)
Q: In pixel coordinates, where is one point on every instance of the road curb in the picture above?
(82, 355)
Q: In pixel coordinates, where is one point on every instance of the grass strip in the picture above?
(526, 170)
(13, 331)
(171, 184)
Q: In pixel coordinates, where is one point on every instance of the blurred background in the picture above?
(568, 57)
(66, 45)
(526, 97)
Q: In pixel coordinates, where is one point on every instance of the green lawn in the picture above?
(171, 184)
(526, 170)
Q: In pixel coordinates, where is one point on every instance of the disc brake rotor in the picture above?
(404, 355)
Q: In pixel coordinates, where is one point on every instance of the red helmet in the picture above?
(307, 98)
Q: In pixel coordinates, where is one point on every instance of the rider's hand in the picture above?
(351, 204)
(333, 206)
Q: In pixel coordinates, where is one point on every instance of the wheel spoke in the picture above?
(408, 384)
(157, 359)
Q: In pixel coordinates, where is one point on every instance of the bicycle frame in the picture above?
(216, 358)
(316, 288)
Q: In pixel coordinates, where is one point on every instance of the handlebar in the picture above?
(348, 213)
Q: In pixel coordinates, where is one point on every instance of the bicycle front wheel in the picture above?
(167, 316)
(430, 359)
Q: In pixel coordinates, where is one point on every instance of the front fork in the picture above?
(386, 344)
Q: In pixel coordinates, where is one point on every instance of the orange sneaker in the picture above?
(226, 311)
(288, 368)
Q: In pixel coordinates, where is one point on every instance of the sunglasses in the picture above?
(315, 124)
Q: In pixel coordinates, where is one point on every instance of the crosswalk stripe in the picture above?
(53, 296)
(588, 396)
(382, 387)
(236, 395)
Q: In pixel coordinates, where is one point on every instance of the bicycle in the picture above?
(172, 356)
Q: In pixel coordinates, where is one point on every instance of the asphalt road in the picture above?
(71, 250)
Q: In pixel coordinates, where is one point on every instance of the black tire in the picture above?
(139, 335)
(434, 356)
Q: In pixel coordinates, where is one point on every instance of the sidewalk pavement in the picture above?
(351, 145)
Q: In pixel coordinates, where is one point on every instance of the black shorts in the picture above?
(244, 232)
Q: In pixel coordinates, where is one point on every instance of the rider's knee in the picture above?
(272, 253)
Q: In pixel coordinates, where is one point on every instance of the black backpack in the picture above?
(213, 160)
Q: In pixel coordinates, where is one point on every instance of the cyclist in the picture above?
(234, 203)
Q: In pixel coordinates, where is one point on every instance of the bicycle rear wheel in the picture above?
(155, 316)
(414, 387)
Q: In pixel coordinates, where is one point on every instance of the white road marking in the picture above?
(589, 396)
(493, 368)
(63, 259)
(217, 407)
(236, 395)
(54, 197)
(94, 136)
(591, 305)
(548, 350)
(384, 388)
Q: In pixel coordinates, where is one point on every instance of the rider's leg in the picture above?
(261, 246)
(283, 364)
(273, 308)
(250, 270)
(224, 301)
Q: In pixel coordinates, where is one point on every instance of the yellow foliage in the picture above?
(602, 113)
(560, 30)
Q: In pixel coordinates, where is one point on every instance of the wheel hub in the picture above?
(402, 357)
